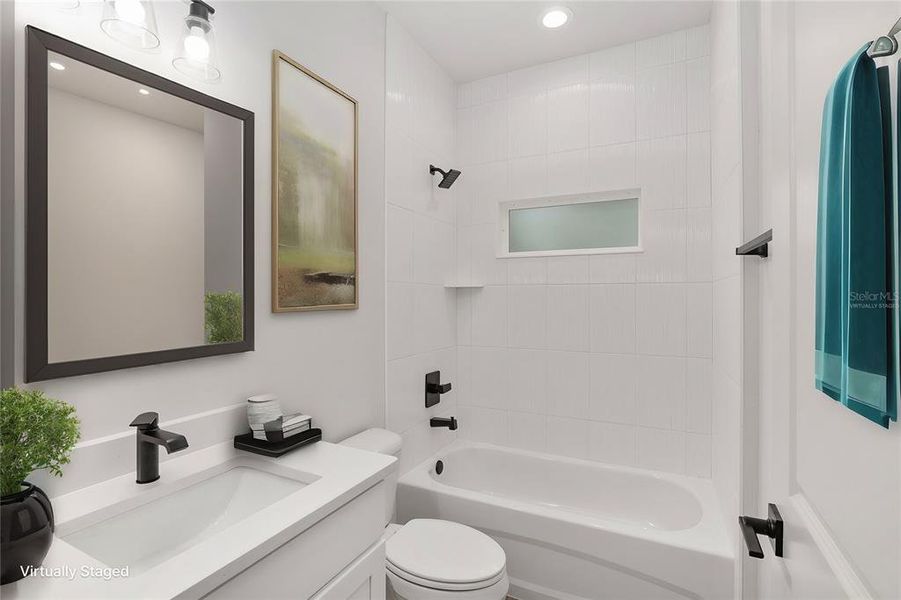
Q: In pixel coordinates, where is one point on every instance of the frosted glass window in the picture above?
(575, 226)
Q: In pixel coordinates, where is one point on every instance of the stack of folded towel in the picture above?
(268, 422)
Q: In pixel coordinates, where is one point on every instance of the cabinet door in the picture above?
(363, 579)
(364, 592)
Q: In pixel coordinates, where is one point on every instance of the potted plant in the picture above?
(36, 432)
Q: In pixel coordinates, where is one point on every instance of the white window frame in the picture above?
(503, 237)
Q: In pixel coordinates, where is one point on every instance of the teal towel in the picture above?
(855, 265)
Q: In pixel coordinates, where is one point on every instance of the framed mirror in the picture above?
(139, 217)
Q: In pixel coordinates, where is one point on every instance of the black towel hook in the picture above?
(886, 45)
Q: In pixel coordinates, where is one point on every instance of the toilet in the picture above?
(432, 559)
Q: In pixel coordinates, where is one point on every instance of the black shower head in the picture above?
(447, 177)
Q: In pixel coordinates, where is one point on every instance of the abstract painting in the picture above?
(314, 191)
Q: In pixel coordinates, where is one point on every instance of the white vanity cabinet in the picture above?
(362, 580)
(222, 524)
(341, 557)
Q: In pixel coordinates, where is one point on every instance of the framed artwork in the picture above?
(314, 191)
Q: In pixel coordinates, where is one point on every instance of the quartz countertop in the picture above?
(340, 474)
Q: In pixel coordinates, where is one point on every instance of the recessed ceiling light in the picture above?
(556, 17)
(58, 66)
(143, 92)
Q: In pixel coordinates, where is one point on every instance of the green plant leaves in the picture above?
(36, 432)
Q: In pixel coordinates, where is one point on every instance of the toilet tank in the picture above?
(383, 442)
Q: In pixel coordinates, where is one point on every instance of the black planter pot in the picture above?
(26, 531)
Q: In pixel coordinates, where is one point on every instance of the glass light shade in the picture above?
(196, 53)
(131, 22)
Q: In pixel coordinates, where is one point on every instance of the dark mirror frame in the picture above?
(37, 368)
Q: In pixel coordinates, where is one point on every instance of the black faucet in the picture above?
(450, 423)
(149, 439)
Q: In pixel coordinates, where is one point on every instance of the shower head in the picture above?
(447, 177)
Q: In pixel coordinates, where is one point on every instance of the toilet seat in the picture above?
(447, 556)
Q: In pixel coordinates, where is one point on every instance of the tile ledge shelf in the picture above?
(464, 286)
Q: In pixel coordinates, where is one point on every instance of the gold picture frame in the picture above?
(305, 276)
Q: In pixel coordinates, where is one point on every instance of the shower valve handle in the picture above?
(771, 527)
(434, 388)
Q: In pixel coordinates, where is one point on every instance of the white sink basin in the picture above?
(176, 518)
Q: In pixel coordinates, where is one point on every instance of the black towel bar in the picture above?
(757, 246)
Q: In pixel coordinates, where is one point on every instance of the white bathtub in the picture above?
(575, 529)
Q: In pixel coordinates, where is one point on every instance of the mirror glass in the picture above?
(145, 202)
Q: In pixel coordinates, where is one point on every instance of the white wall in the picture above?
(421, 312)
(330, 364)
(7, 191)
(848, 468)
(605, 357)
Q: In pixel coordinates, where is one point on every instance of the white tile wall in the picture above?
(612, 318)
(567, 437)
(614, 388)
(422, 316)
(527, 316)
(613, 167)
(567, 313)
(612, 443)
(527, 380)
(723, 144)
(530, 138)
(527, 431)
(568, 269)
(567, 117)
(604, 357)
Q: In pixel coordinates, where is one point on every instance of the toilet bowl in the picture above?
(432, 559)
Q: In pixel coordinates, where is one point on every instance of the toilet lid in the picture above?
(443, 553)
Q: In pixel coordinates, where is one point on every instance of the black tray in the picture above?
(247, 442)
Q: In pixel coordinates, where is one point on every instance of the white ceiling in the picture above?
(474, 39)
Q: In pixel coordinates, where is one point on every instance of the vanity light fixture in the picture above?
(57, 66)
(196, 54)
(131, 22)
(556, 17)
